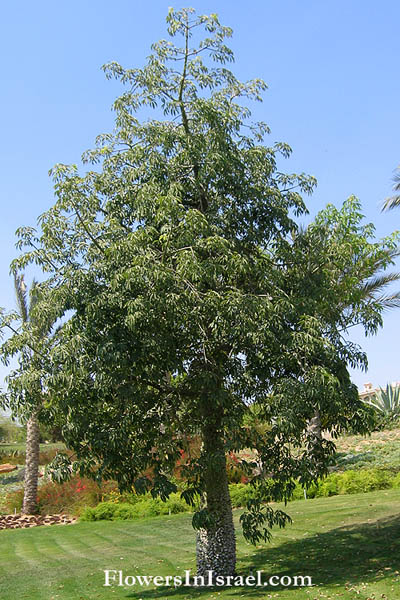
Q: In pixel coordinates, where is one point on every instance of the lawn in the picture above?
(349, 545)
(19, 447)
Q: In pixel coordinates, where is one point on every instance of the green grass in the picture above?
(7, 447)
(349, 545)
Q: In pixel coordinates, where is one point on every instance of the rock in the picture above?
(7, 468)
(26, 521)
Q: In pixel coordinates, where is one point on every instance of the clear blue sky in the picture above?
(333, 73)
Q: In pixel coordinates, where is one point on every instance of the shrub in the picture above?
(110, 511)
(329, 486)
(94, 502)
(13, 501)
(349, 482)
(105, 511)
(70, 497)
(147, 507)
(240, 494)
(368, 480)
(396, 481)
(386, 403)
(124, 512)
(235, 471)
(298, 492)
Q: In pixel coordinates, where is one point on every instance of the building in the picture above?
(370, 391)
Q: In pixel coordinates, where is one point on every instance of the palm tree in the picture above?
(373, 289)
(394, 200)
(25, 309)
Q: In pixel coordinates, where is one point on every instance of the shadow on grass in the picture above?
(358, 553)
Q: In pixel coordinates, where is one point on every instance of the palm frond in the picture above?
(396, 180)
(393, 201)
(21, 296)
(390, 301)
(43, 323)
(376, 284)
(382, 261)
(33, 297)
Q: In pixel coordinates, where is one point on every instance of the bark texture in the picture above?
(314, 426)
(30, 506)
(216, 545)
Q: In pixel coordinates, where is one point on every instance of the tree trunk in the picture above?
(216, 545)
(314, 426)
(314, 432)
(31, 466)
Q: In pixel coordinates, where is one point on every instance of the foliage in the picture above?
(70, 497)
(349, 482)
(379, 450)
(186, 292)
(386, 403)
(386, 457)
(240, 494)
(83, 496)
(394, 201)
(10, 431)
(50, 433)
(148, 507)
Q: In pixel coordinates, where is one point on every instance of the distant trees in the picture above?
(10, 431)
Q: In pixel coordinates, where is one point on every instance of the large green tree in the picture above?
(184, 298)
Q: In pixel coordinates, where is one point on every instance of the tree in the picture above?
(171, 264)
(25, 313)
(338, 258)
(394, 201)
(31, 335)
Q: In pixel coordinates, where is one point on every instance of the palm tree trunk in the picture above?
(30, 505)
(216, 545)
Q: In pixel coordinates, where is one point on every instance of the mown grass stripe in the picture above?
(337, 540)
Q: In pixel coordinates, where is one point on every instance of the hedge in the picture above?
(348, 482)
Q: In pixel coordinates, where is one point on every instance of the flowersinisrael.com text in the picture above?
(113, 577)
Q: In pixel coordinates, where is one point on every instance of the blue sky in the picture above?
(334, 89)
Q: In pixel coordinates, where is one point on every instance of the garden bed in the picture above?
(26, 521)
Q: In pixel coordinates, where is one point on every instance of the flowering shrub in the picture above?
(70, 497)
(81, 496)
